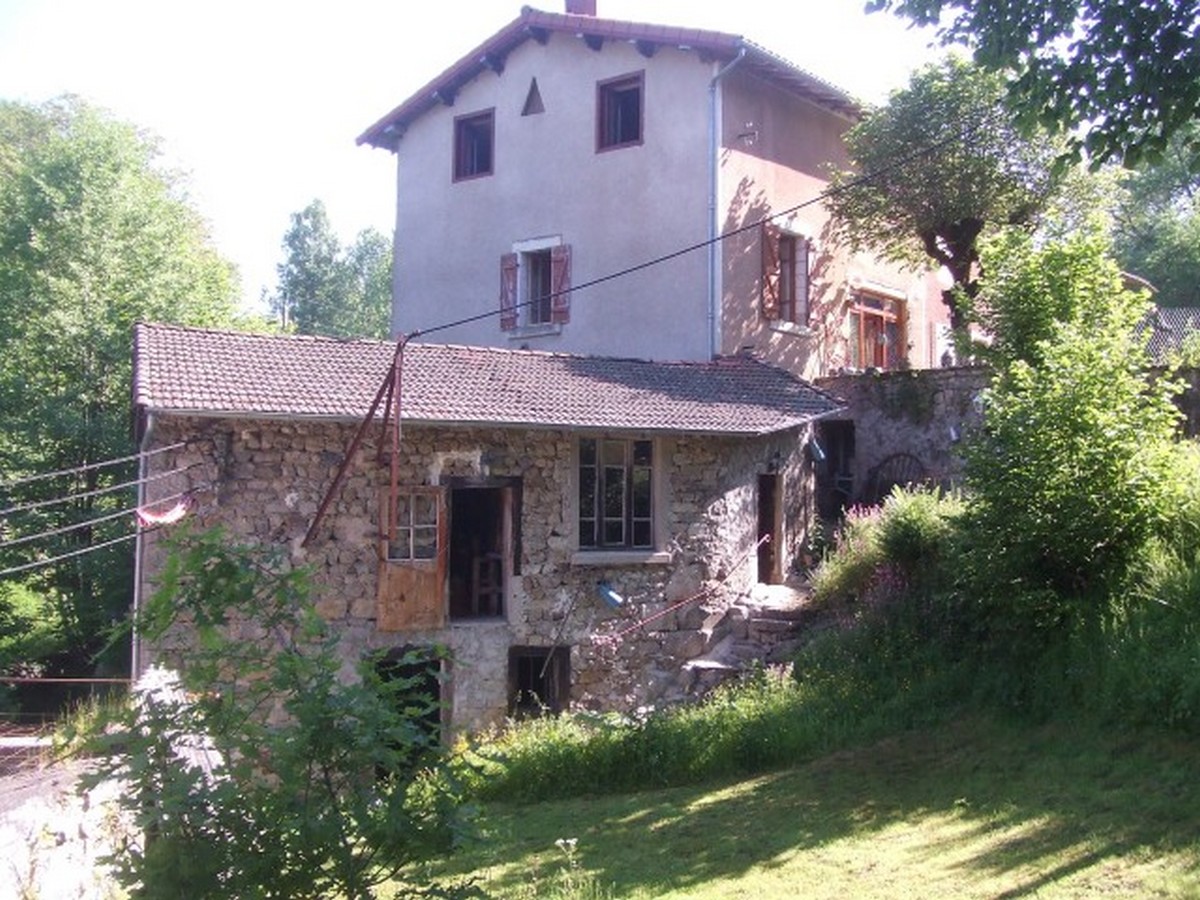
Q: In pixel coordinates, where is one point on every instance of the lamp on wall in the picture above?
(611, 598)
(815, 451)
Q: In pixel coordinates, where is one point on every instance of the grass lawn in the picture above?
(975, 808)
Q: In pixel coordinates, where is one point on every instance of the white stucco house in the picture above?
(567, 149)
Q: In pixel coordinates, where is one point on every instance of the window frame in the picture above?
(639, 515)
(608, 125)
(536, 271)
(884, 311)
(463, 165)
(786, 286)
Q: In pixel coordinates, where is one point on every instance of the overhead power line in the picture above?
(54, 501)
(877, 174)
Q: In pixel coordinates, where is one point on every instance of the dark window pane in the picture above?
(587, 532)
(614, 493)
(587, 492)
(424, 543)
(614, 453)
(642, 534)
(614, 533)
(587, 452)
(642, 453)
(641, 493)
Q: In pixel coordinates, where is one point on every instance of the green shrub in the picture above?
(851, 563)
(318, 785)
(917, 532)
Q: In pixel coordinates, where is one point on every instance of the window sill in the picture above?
(524, 332)
(792, 328)
(620, 558)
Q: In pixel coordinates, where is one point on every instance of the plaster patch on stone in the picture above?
(441, 459)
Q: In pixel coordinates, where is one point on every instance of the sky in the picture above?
(259, 102)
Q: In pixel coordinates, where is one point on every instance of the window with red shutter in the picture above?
(769, 285)
(560, 284)
(508, 291)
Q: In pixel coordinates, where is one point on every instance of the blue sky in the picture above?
(260, 101)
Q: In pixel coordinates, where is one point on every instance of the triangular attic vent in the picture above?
(533, 100)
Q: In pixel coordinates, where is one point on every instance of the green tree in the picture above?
(1158, 224)
(1127, 73)
(325, 289)
(978, 172)
(1075, 466)
(94, 236)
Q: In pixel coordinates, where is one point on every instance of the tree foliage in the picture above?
(1074, 468)
(977, 172)
(264, 771)
(330, 290)
(1158, 224)
(94, 236)
(1127, 73)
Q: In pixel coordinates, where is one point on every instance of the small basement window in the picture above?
(539, 680)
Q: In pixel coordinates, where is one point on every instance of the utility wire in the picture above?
(108, 490)
(16, 482)
(700, 245)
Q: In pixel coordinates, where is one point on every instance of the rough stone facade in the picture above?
(263, 480)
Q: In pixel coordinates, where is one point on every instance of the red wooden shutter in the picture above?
(560, 284)
(508, 291)
(769, 235)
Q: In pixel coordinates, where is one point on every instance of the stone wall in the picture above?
(922, 413)
(264, 479)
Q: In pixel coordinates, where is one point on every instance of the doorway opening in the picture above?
(770, 527)
(480, 541)
(539, 680)
(412, 680)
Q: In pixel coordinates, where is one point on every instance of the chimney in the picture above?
(581, 8)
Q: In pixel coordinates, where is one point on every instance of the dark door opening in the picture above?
(835, 476)
(477, 552)
(769, 527)
(539, 680)
(411, 679)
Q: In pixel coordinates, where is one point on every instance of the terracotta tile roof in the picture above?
(534, 24)
(238, 375)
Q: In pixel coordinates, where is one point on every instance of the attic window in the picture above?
(533, 100)
(473, 141)
(619, 112)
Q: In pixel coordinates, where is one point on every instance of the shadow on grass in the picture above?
(1010, 806)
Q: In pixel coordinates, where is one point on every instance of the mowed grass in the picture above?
(975, 808)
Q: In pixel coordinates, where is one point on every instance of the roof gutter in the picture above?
(714, 251)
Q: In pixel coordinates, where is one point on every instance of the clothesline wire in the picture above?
(36, 564)
(54, 501)
(41, 476)
(53, 532)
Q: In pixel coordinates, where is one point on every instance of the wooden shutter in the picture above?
(560, 284)
(769, 235)
(508, 291)
(803, 280)
(411, 594)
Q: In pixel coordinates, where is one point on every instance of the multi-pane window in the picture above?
(785, 275)
(473, 139)
(619, 112)
(877, 337)
(415, 536)
(616, 497)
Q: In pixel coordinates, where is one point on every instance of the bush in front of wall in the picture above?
(263, 772)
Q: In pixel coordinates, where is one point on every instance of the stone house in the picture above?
(567, 148)
(536, 506)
